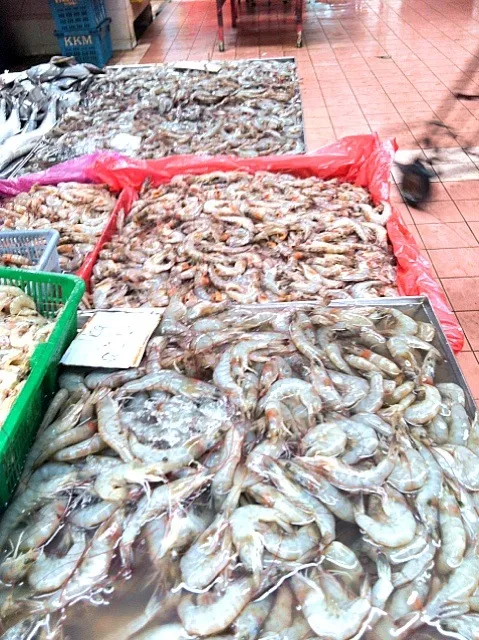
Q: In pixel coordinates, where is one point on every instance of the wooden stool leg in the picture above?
(221, 33)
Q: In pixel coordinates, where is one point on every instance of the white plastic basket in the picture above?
(39, 247)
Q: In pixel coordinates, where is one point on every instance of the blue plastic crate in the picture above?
(40, 247)
(87, 45)
(77, 15)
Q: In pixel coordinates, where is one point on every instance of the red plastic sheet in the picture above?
(122, 207)
(362, 160)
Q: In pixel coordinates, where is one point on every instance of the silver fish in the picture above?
(19, 145)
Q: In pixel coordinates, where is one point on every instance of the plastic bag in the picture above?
(362, 160)
(69, 171)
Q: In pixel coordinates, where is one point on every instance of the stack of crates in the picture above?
(83, 30)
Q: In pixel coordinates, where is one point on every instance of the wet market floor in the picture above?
(381, 65)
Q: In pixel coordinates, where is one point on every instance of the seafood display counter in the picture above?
(245, 108)
(268, 471)
(30, 103)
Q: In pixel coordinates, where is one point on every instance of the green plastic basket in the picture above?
(50, 292)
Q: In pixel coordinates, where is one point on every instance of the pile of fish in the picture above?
(22, 328)
(31, 101)
(247, 238)
(274, 474)
(79, 212)
(246, 108)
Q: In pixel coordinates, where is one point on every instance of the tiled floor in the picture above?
(372, 65)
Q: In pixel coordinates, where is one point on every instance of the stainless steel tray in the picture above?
(417, 307)
(172, 64)
(420, 308)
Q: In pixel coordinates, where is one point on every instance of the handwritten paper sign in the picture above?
(113, 340)
(193, 65)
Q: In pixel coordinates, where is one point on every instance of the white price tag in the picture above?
(114, 340)
(193, 65)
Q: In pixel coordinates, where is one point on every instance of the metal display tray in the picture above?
(420, 308)
(417, 307)
(31, 154)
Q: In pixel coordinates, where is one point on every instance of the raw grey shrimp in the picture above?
(451, 392)
(112, 485)
(208, 555)
(282, 390)
(298, 496)
(269, 496)
(175, 532)
(332, 350)
(463, 626)
(86, 447)
(373, 401)
(212, 618)
(342, 560)
(382, 588)
(403, 356)
(172, 382)
(348, 478)
(325, 388)
(93, 567)
(161, 498)
(44, 524)
(410, 471)
(362, 440)
(395, 322)
(50, 573)
(427, 498)
(35, 496)
(250, 621)
(460, 464)
(176, 457)
(379, 362)
(231, 456)
(326, 616)
(438, 430)
(374, 421)
(290, 545)
(13, 570)
(452, 532)
(248, 541)
(422, 411)
(453, 595)
(328, 439)
(415, 567)
(281, 613)
(93, 515)
(393, 525)
(353, 388)
(110, 428)
(338, 503)
(460, 426)
(71, 437)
